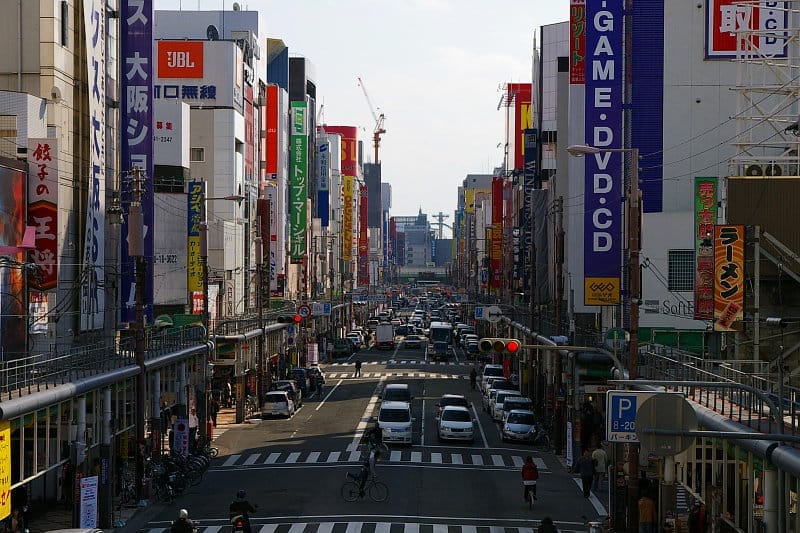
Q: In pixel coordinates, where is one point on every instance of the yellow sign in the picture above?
(347, 218)
(601, 291)
(5, 469)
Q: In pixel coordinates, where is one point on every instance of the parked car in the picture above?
(516, 402)
(496, 406)
(394, 421)
(412, 341)
(355, 339)
(491, 371)
(342, 348)
(290, 385)
(301, 377)
(277, 403)
(455, 423)
(520, 425)
(451, 399)
(396, 392)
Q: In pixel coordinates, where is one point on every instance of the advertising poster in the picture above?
(12, 287)
(5, 469)
(88, 518)
(298, 184)
(577, 42)
(603, 185)
(728, 276)
(520, 95)
(136, 127)
(363, 239)
(43, 211)
(496, 233)
(180, 435)
(705, 217)
(347, 217)
(760, 26)
(194, 267)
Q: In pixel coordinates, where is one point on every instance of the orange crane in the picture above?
(378, 131)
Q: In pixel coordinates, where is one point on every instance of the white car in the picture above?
(455, 423)
(496, 405)
(394, 421)
(277, 403)
(490, 371)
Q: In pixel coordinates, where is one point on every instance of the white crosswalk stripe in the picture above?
(403, 362)
(364, 375)
(415, 457)
(374, 527)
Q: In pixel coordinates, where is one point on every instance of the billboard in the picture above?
(520, 95)
(271, 128)
(602, 220)
(496, 234)
(194, 262)
(298, 183)
(349, 157)
(728, 276)
(277, 253)
(136, 130)
(577, 42)
(92, 292)
(347, 217)
(180, 59)
(363, 238)
(171, 133)
(705, 217)
(43, 211)
(170, 260)
(323, 180)
(13, 327)
(760, 26)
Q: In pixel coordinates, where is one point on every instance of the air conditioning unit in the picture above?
(753, 170)
(768, 169)
(773, 170)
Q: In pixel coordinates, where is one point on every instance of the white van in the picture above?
(394, 421)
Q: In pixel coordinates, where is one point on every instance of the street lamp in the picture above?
(634, 290)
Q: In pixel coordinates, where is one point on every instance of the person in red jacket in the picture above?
(529, 476)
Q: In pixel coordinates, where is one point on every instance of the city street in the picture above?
(293, 469)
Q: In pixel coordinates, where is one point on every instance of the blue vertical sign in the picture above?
(136, 120)
(602, 260)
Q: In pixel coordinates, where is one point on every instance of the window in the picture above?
(197, 155)
(681, 270)
(64, 23)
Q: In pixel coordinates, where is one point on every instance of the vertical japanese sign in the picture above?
(363, 239)
(5, 469)
(194, 262)
(13, 327)
(298, 183)
(136, 121)
(272, 140)
(323, 180)
(496, 234)
(705, 216)
(347, 218)
(728, 276)
(43, 211)
(602, 230)
(577, 42)
(520, 95)
(88, 515)
(92, 281)
(277, 255)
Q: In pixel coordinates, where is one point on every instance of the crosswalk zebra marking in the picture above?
(440, 528)
(273, 457)
(297, 528)
(411, 528)
(477, 460)
(325, 527)
(268, 528)
(375, 527)
(293, 457)
(497, 460)
(333, 457)
(416, 457)
(231, 460)
(383, 527)
(212, 529)
(354, 457)
(252, 459)
(456, 459)
(517, 461)
(395, 456)
(353, 527)
(312, 457)
(436, 457)
(469, 529)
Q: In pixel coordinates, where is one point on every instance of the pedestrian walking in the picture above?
(358, 368)
(601, 464)
(228, 394)
(585, 467)
(214, 409)
(194, 422)
(647, 514)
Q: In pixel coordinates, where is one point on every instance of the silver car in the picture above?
(520, 425)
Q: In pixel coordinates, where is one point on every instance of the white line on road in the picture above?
(333, 457)
(354, 457)
(252, 459)
(477, 459)
(422, 429)
(480, 427)
(232, 459)
(436, 457)
(601, 511)
(268, 528)
(313, 457)
(395, 456)
(296, 528)
(353, 527)
(497, 460)
(362, 424)
(383, 527)
(293, 457)
(440, 528)
(411, 528)
(327, 396)
(518, 462)
(325, 527)
(416, 457)
(455, 458)
(273, 457)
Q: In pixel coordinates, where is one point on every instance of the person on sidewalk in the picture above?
(585, 468)
(601, 463)
(647, 514)
(358, 368)
(194, 423)
(214, 409)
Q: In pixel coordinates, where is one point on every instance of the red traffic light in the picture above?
(297, 319)
(512, 346)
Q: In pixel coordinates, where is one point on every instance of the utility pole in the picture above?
(259, 306)
(136, 250)
(560, 402)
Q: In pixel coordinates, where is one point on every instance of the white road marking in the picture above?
(497, 460)
(268, 528)
(293, 457)
(252, 459)
(518, 462)
(416, 457)
(313, 457)
(395, 456)
(362, 424)
(383, 527)
(231, 460)
(354, 457)
(439, 528)
(480, 426)
(333, 457)
(353, 527)
(477, 459)
(297, 528)
(601, 511)
(455, 458)
(436, 457)
(328, 396)
(411, 528)
(273, 457)
(325, 527)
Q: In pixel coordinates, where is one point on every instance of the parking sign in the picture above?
(621, 407)
(479, 313)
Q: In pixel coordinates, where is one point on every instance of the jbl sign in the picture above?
(180, 59)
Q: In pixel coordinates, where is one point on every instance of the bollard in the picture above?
(210, 430)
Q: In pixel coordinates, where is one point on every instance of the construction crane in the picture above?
(376, 134)
(440, 222)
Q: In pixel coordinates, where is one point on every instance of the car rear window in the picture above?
(493, 371)
(521, 418)
(517, 403)
(396, 395)
(456, 415)
(501, 397)
(394, 415)
(275, 398)
(454, 401)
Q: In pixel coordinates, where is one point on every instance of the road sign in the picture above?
(479, 313)
(666, 410)
(493, 313)
(304, 310)
(321, 308)
(621, 407)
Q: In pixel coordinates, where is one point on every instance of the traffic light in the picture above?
(289, 319)
(489, 344)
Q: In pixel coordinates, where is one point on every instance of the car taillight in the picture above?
(239, 523)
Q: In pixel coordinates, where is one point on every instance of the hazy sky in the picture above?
(433, 67)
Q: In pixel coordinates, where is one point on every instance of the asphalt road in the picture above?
(293, 469)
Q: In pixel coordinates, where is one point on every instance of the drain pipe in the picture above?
(19, 45)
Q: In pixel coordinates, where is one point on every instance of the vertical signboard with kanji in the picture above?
(363, 239)
(298, 183)
(43, 211)
(194, 262)
(734, 27)
(602, 227)
(347, 217)
(5, 469)
(705, 216)
(496, 233)
(92, 280)
(728, 276)
(577, 42)
(136, 128)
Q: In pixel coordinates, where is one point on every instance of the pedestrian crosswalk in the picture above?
(405, 362)
(419, 375)
(487, 459)
(375, 527)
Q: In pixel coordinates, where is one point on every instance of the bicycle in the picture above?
(530, 497)
(351, 490)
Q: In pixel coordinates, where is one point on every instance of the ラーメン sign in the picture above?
(603, 182)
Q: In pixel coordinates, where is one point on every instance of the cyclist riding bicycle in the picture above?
(241, 507)
(529, 476)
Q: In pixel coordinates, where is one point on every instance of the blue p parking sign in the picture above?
(621, 407)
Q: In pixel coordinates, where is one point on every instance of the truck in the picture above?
(441, 336)
(384, 336)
